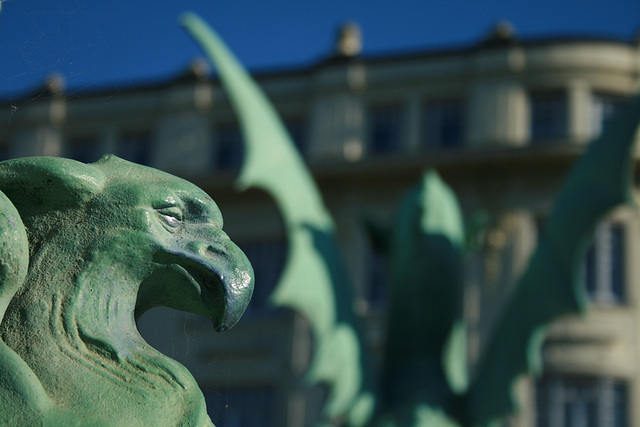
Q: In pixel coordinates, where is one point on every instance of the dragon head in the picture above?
(107, 241)
(164, 230)
(192, 264)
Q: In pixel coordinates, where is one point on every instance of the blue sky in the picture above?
(119, 44)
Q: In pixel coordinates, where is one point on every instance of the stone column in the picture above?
(497, 114)
(579, 111)
(337, 128)
(413, 122)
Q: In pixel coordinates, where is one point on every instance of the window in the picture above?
(444, 124)
(267, 258)
(603, 107)
(385, 128)
(297, 131)
(549, 116)
(581, 402)
(135, 147)
(230, 150)
(378, 290)
(83, 148)
(4, 152)
(241, 407)
(605, 265)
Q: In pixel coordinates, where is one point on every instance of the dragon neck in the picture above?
(97, 324)
(103, 307)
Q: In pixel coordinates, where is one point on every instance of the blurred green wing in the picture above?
(425, 352)
(551, 285)
(313, 282)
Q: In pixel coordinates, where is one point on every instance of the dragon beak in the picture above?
(217, 275)
(228, 286)
(237, 288)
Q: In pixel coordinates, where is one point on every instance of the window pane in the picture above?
(240, 407)
(444, 123)
(377, 292)
(230, 147)
(603, 107)
(605, 265)
(581, 401)
(4, 150)
(385, 128)
(549, 116)
(604, 268)
(617, 270)
(267, 258)
(135, 147)
(543, 411)
(620, 405)
(83, 148)
(297, 130)
(590, 276)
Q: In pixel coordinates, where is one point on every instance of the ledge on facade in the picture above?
(409, 166)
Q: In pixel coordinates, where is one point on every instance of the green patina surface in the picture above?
(425, 380)
(85, 251)
(425, 356)
(314, 281)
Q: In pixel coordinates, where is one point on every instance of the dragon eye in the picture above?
(170, 217)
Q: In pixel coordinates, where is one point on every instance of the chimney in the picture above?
(349, 40)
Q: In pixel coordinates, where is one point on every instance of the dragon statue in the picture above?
(425, 380)
(85, 250)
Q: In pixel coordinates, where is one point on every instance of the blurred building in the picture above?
(501, 120)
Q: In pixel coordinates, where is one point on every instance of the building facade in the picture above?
(502, 120)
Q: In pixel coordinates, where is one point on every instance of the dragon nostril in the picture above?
(211, 250)
(205, 249)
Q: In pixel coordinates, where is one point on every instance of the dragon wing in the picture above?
(425, 364)
(551, 285)
(314, 282)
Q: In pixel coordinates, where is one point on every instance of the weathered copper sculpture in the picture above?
(314, 281)
(425, 381)
(85, 251)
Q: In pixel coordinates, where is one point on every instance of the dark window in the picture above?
(603, 107)
(4, 151)
(549, 116)
(378, 289)
(385, 129)
(267, 259)
(605, 265)
(444, 124)
(241, 407)
(135, 147)
(577, 402)
(297, 131)
(230, 150)
(83, 148)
